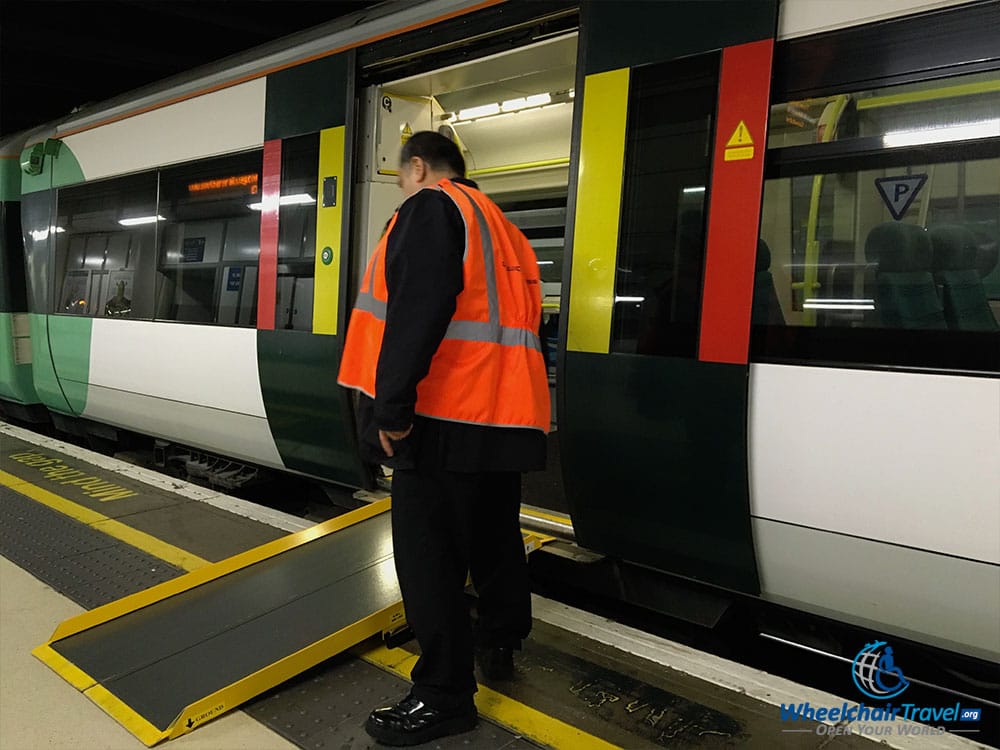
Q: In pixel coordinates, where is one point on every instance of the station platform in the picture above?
(79, 530)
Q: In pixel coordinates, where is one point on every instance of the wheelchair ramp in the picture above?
(167, 659)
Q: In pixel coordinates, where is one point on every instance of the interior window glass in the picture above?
(912, 247)
(209, 229)
(956, 109)
(297, 232)
(662, 242)
(104, 238)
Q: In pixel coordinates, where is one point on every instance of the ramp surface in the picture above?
(169, 658)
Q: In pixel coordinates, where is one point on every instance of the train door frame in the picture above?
(450, 44)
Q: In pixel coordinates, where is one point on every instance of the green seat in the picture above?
(906, 293)
(766, 309)
(962, 292)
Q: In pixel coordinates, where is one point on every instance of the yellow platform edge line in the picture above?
(133, 537)
(516, 716)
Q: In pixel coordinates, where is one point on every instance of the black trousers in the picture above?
(446, 525)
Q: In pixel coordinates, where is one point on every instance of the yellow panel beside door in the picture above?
(598, 204)
(329, 221)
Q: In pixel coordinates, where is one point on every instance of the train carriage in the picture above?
(768, 238)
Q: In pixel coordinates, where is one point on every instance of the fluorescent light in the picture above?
(139, 220)
(40, 235)
(535, 101)
(693, 190)
(296, 199)
(483, 111)
(512, 105)
(964, 132)
(630, 299)
(546, 262)
(838, 304)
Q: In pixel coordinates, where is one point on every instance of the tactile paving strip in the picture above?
(323, 708)
(326, 707)
(80, 563)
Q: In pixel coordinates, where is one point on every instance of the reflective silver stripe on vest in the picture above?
(492, 303)
(469, 330)
(366, 302)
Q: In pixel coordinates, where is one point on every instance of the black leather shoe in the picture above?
(412, 722)
(496, 663)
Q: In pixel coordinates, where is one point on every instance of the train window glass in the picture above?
(874, 248)
(13, 288)
(955, 109)
(104, 239)
(208, 222)
(662, 241)
(297, 233)
(894, 265)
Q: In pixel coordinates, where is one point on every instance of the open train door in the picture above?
(653, 397)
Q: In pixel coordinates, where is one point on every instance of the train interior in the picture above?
(511, 114)
(846, 248)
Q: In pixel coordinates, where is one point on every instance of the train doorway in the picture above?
(511, 114)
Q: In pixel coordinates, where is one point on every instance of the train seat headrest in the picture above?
(954, 248)
(987, 255)
(763, 256)
(899, 248)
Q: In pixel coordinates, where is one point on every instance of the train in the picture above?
(768, 238)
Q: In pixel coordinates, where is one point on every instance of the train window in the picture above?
(297, 233)
(104, 238)
(884, 252)
(959, 108)
(662, 243)
(208, 222)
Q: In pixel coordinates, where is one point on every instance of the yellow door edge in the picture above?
(329, 225)
(598, 209)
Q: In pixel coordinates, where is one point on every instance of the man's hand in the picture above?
(386, 436)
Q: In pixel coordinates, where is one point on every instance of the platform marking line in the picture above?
(173, 485)
(514, 715)
(99, 522)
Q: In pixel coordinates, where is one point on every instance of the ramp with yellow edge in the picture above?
(167, 659)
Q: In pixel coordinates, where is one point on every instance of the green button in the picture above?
(327, 256)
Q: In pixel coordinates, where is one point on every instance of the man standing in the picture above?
(443, 347)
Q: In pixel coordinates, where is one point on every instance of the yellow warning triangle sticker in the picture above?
(740, 136)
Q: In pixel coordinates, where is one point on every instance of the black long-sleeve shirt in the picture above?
(424, 276)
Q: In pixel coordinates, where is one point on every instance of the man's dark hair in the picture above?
(438, 151)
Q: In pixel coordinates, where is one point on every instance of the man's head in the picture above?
(425, 159)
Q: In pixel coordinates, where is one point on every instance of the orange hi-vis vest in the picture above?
(489, 368)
